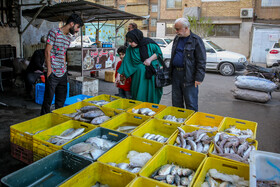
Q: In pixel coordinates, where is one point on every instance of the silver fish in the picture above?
(88, 108)
(99, 120)
(170, 179)
(146, 135)
(123, 165)
(95, 153)
(73, 134)
(93, 113)
(80, 147)
(165, 169)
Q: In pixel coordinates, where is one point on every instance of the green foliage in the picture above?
(202, 27)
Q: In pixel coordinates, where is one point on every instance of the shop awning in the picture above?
(90, 12)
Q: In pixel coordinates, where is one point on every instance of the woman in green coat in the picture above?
(139, 63)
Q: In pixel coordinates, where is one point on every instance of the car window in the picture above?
(276, 45)
(159, 41)
(168, 41)
(208, 48)
(215, 46)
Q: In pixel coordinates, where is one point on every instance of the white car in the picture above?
(162, 42)
(217, 59)
(273, 55)
(88, 41)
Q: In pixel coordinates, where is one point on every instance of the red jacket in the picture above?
(127, 84)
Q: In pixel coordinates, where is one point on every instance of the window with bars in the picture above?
(153, 22)
(177, 4)
(154, 8)
(226, 30)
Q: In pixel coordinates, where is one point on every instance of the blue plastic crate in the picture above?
(75, 99)
(40, 91)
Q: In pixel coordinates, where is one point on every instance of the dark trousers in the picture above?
(182, 94)
(124, 94)
(30, 79)
(54, 85)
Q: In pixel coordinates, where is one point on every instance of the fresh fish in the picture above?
(151, 137)
(151, 113)
(73, 134)
(146, 135)
(95, 153)
(80, 147)
(88, 108)
(136, 170)
(165, 169)
(136, 111)
(99, 120)
(160, 177)
(99, 102)
(186, 172)
(170, 179)
(112, 164)
(184, 181)
(126, 129)
(68, 131)
(93, 114)
(177, 179)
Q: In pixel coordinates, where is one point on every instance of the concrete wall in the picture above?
(239, 45)
(10, 36)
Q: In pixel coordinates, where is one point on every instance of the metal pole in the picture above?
(81, 31)
(20, 34)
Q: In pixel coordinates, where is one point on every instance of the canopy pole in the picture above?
(81, 31)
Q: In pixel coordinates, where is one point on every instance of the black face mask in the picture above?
(72, 30)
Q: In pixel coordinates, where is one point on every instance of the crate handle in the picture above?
(154, 106)
(229, 166)
(84, 125)
(169, 124)
(147, 143)
(212, 117)
(241, 122)
(132, 102)
(116, 172)
(181, 110)
(137, 117)
(113, 134)
(183, 152)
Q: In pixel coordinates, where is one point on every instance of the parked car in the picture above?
(162, 42)
(217, 59)
(273, 55)
(88, 41)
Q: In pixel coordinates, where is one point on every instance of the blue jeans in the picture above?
(183, 95)
(124, 94)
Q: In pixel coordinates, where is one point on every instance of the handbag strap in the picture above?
(161, 61)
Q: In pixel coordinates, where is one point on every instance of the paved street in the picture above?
(215, 97)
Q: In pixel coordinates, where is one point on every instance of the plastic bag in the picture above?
(251, 95)
(255, 83)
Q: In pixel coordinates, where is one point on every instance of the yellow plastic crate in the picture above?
(155, 107)
(121, 105)
(175, 111)
(205, 119)
(156, 126)
(239, 124)
(98, 172)
(104, 97)
(188, 129)
(143, 181)
(211, 149)
(73, 108)
(19, 135)
(178, 156)
(223, 166)
(118, 154)
(42, 148)
(125, 119)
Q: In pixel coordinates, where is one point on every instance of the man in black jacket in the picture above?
(34, 69)
(187, 66)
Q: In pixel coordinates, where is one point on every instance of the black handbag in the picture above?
(162, 77)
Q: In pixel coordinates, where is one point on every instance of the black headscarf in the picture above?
(137, 36)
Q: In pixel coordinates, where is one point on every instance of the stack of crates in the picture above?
(40, 91)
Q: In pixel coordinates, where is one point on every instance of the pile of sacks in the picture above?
(252, 88)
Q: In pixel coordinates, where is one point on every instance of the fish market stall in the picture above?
(142, 144)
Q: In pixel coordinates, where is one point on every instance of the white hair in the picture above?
(184, 21)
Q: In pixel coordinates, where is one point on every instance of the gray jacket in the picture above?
(194, 59)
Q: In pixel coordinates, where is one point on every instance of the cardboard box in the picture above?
(110, 75)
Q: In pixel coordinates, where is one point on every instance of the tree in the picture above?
(202, 27)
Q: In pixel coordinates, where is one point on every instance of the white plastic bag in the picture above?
(251, 95)
(255, 83)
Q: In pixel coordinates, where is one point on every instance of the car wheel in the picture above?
(227, 69)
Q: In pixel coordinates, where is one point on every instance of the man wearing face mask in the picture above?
(58, 41)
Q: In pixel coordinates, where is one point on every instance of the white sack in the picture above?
(255, 83)
(251, 95)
